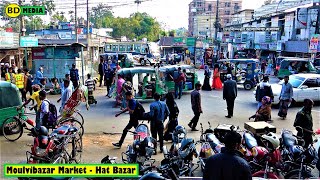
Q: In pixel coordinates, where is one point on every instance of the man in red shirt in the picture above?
(179, 81)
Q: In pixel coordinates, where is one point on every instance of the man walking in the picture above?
(304, 123)
(196, 107)
(109, 78)
(228, 164)
(10, 76)
(133, 122)
(65, 94)
(20, 83)
(179, 81)
(74, 75)
(230, 92)
(285, 97)
(159, 111)
(39, 76)
(263, 89)
(100, 69)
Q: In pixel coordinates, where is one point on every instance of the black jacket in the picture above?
(230, 90)
(227, 165)
(100, 69)
(263, 89)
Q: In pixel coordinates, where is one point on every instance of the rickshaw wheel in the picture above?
(247, 85)
(74, 122)
(7, 131)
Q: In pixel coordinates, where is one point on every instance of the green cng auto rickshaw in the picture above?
(244, 71)
(145, 81)
(293, 65)
(168, 74)
(10, 99)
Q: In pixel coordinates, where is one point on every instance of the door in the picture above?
(312, 92)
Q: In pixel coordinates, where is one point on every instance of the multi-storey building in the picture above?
(202, 15)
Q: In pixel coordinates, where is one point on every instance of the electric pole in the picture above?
(75, 20)
(217, 28)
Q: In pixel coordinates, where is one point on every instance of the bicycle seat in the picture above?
(288, 139)
(249, 140)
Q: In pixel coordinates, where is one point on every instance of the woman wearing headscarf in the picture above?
(207, 75)
(173, 117)
(216, 81)
(264, 111)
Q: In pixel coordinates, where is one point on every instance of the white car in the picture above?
(304, 86)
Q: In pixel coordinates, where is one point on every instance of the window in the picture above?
(311, 83)
(199, 4)
(259, 21)
(298, 31)
(209, 7)
(227, 12)
(227, 4)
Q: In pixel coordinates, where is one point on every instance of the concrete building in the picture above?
(202, 15)
(298, 22)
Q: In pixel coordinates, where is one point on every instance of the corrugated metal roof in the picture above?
(166, 41)
(60, 41)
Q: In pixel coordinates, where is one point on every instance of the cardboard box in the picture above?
(259, 127)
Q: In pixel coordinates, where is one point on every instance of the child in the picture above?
(55, 87)
(91, 86)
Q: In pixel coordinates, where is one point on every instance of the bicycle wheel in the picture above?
(12, 128)
(74, 122)
(78, 116)
(76, 149)
(60, 159)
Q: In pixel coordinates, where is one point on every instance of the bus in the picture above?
(143, 52)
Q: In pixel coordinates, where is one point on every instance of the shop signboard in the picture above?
(190, 41)
(314, 42)
(28, 41)
(273, 46)
(6, 39)
(301, 18)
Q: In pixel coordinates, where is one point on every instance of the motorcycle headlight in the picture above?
(181, 135)
(150, 144)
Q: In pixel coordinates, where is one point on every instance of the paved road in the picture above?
(100, 119)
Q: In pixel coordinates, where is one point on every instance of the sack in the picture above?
(139, 110)
(50, 119)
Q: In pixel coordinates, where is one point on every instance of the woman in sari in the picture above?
(264, 111)
(206, 83)
(216, 81)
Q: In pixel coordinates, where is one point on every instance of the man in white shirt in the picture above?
(44, 108)
(66, 94)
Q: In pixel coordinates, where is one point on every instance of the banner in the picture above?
(301, 18)
(314, 42)
(248, 29)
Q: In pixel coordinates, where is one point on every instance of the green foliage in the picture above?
(59, 17)
(138, 25)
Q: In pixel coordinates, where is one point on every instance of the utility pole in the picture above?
(89, 37)
(217, 28)
(21, 33)
(137, 2)
(75, 20)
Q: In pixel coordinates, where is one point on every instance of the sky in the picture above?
(172, 14)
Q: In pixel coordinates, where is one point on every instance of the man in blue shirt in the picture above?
(74, 74)
(285, 97)
(159, 111)
(39, 76)
(109, 77)
(133, 122)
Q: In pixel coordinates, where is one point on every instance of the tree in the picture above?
(48, 4)
(100, 16)
(172, 33)
(34, 23)
(59, 17)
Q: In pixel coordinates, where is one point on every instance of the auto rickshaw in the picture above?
(10, 99)
(294, 65)
(168, 73)
(147, 82)
(244, 71)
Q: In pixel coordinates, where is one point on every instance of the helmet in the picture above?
(152, 176)
(180, 129)
(272, 140)
(43, 141)
(43, 131)
(179, 133)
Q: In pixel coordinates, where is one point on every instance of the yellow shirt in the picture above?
(35, 96)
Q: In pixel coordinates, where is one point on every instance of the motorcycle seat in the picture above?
(288, 139)
(61, 130)
(249, 140)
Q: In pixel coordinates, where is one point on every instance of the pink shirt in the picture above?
(119, 85)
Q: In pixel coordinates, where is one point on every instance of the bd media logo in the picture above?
(13, 10)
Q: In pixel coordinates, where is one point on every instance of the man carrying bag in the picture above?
(159, 111)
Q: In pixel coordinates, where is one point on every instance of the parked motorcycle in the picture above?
(142, 148)
(298, 161)
(182, 151)
(210, 145)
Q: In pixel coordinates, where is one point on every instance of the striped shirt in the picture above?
(90, 84)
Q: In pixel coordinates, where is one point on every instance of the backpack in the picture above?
(50, 119)
(139, 110)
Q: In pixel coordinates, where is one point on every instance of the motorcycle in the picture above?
(222, 129)
(142, 148)
(210, 145)
(180, 156)
(52, 148)
(298, 161)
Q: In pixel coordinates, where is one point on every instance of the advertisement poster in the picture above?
(314, 41)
